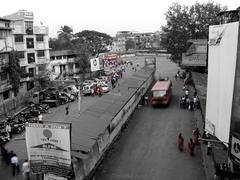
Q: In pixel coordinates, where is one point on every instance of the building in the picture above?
(119, 42)
(31, 42)
(62, 64)
(6, 45)
(222, 107)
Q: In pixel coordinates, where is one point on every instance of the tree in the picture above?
(129, 44)
(15, 72)
(184, 23)
(96, 42)
(82, 59)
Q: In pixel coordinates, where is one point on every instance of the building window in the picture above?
(29, 27)
(30, 85)
(6, 95)
(4, 76)
(40, 53)
(20, 54)
(3, 34)
(31, 58)
(18, 38)
(39, 38)
(59, 57)
(52, 57)
(30, 43)
(7, 24)
(31, 72)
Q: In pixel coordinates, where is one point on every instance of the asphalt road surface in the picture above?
(147, 149)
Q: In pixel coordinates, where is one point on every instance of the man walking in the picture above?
(15, 164)
(26, 170)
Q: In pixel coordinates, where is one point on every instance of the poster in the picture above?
(48, 148)
(222, 56)
(96, 64)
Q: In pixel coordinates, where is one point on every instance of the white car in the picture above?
(88, 82)
(105, 88)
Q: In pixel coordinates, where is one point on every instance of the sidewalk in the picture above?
(199, 116)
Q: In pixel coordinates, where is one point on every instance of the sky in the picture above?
(107, 16)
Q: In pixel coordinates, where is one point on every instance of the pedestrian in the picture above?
(40, 116)
(196, 135)
(191, 147)
(26, 170)
(15, 164)
(67, 109)
(4, 153)
(9, 156)
(180, 142)
(9, 130)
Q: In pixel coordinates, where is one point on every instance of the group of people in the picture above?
(188, 102)
(11, 158)
(193, 141)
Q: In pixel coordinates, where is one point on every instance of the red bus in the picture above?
(161, 93)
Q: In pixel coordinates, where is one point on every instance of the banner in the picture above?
(235, 147)
(222, 57)
(96, 64)
(48, 148)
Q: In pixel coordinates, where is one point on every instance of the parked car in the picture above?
(88, 82)
(105, 88)
(87, 90)
(69, 96)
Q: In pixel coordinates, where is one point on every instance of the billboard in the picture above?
(198, 59)
(96, 64)
(48, 148)
(222, 57)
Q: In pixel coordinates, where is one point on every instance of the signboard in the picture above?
(197, 59)
(150, 61)
(235, 147)
(48, 148)
(222, 57)
(96, 64)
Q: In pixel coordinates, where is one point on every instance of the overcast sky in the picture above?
(108, 16)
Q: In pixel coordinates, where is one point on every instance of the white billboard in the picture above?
(48, 148)
(222, 57)
(96, 64)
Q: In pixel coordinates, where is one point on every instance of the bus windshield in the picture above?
(159, 93)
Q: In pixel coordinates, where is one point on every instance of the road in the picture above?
(147, 149)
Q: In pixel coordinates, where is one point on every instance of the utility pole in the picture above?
(79, 97)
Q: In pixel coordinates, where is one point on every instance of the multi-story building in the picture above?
(120, 41)
(31, 42)
(6, 45)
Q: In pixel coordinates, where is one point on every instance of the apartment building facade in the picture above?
(6, 45)
(31, 43)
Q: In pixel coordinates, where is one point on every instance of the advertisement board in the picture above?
(235, 147)
(221, 74)
(48, 148)
(197, 59)
(96, 64)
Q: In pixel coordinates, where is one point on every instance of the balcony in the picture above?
(19, 29)
(42, 60)
(42, 45)
(40, 30)
(5, 85)
(6, 44)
